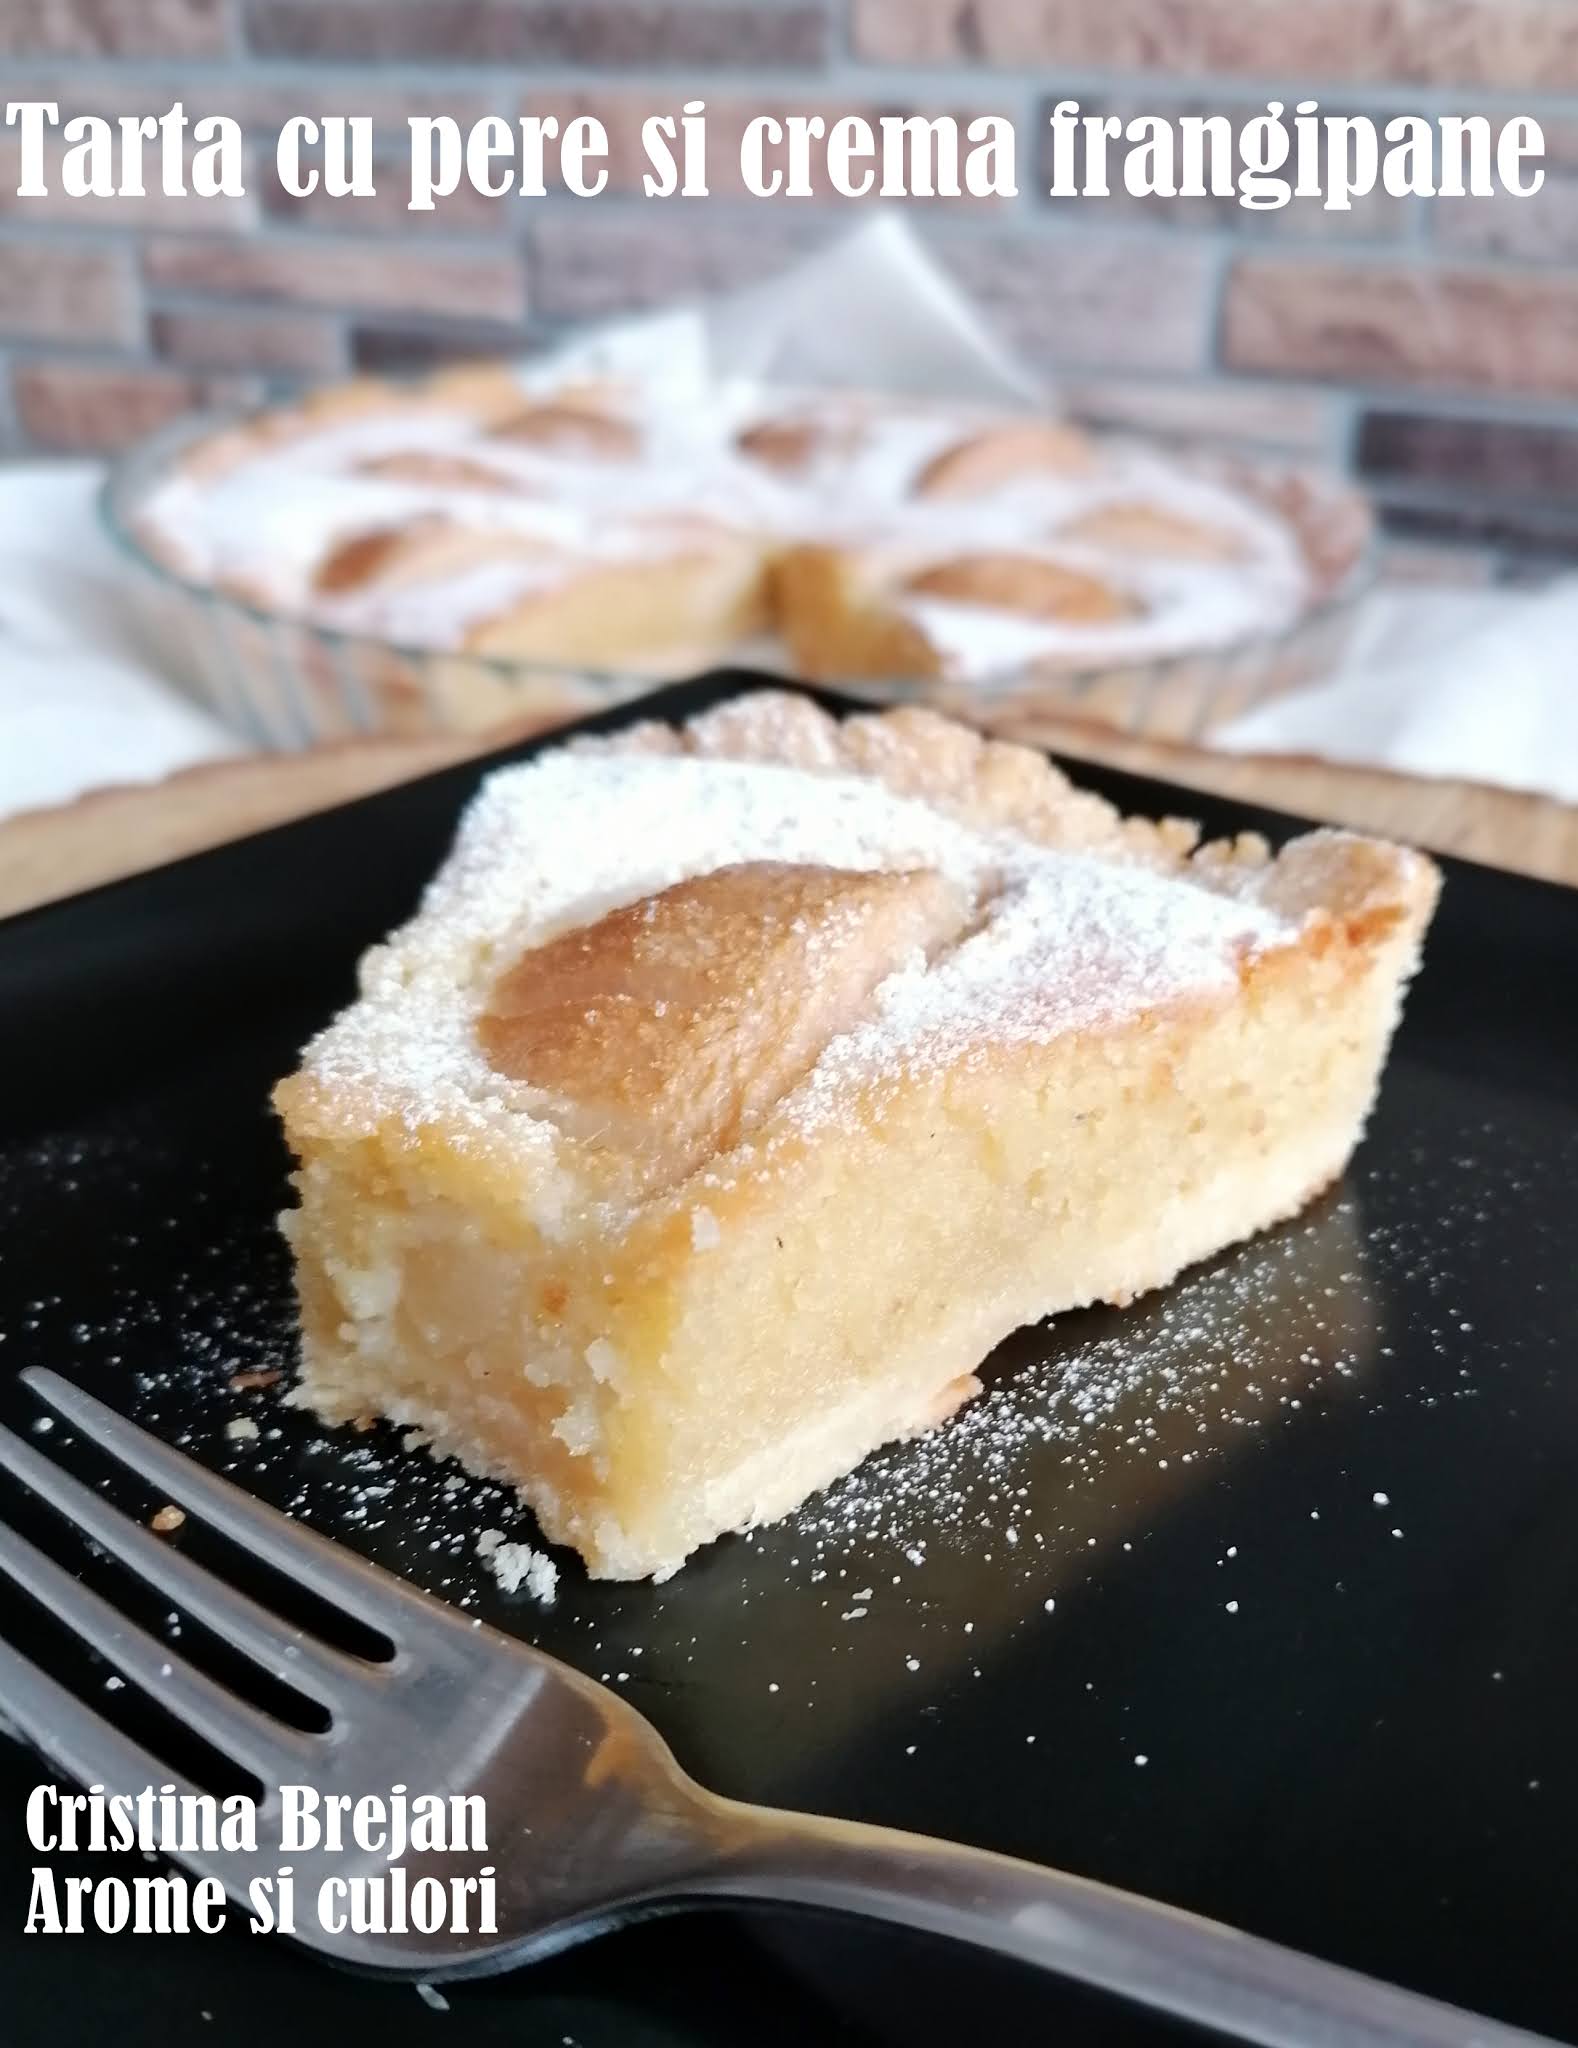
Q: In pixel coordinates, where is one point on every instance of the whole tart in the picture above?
(529, 516)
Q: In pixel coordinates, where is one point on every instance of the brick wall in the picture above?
(1432, 345)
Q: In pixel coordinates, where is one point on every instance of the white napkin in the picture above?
(82, 698)
(872, 312)
(1479, 686)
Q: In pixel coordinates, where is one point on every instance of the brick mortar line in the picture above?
(1419, 229)
(1216, 311)
(174, 299)
(169, 298)
(1556, 514)
(1046, 222)
(60, 235)
(1415, 252)
(1417, 249)
(1345, 445)
(1245, 239)
(1493, 408)
(1523, 410)
(26, 353)
(863, 79)
(1427, 492)
(278, 230)
(267, 233)
(29, 351)
(1341, 432)
(1414, 259)
(1458, 405)
(1393, 95)
(11, 435)
(1030, 210)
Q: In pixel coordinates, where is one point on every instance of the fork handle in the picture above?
(1169, 1961)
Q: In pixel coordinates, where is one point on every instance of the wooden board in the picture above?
(1505, 828)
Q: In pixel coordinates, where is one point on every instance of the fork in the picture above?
(591, 1821)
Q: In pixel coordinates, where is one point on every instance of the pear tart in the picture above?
(536, 517)
(737, 1087)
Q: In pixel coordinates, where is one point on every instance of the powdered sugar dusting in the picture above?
(1154, 1390)
(268, 519)
(516, 1564)
(1070, 942)
(1062, 939)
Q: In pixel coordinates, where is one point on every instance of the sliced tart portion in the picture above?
(737, 1087)
(655, 595)
(1029, 595)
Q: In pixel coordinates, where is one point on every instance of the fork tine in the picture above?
(80, 1743)
(325, 1674)
(227, 1723)
(335, 1574)
(82, 1746)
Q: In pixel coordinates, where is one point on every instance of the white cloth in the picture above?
(83, 699)
(873, 311)
(1478, 685)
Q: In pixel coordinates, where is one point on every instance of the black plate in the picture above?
(1261, 1596)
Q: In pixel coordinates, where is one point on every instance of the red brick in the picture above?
(622, 109)
(155, 209)
(262, 339)
(1507, 45)
(1070, 302)
(1275, 416)
(53, 292)
(1375, 216)
(315, 271)
(396, 347)
(1476, 330)
(587, 261)
(1561, 141)
(113, 28)
(1541, 229)
(259, 103)
(672, 34)
(464, 211)
(1549, 532)
(89, 407)
(258, 100)
(1511, 458)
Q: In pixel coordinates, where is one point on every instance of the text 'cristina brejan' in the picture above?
(373, 1830)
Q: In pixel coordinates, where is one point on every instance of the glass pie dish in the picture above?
(287, 681)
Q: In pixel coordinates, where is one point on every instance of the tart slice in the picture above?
(736, 1088)
(889, 610)
(657, 594)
